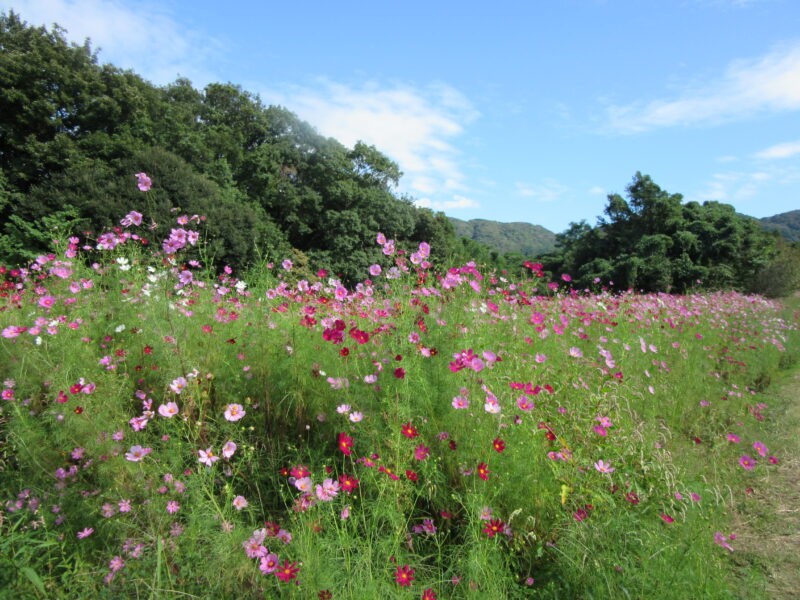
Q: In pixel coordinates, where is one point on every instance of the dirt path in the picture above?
(769, 522)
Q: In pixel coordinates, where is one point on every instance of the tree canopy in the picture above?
(73, 133)
(654, 242)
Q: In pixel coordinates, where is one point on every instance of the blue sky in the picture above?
(520, 111)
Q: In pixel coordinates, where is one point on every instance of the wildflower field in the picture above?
(167, 432)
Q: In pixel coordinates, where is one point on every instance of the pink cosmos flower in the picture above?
(228, 449)
(760, 448)
(178, 385)
(234, 412)
(168, 410)
(240, 502)
(47, 301)
(603, 467)
(269, 563)
(143, 182)
(116, 564)
(173, 507)
(137, 453)
(721, 540)
(207, 457)
(460, 402)
(84, 533)
(132, 218)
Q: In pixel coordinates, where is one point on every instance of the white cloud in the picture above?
(457, 202)
(767, 84)
(414, 126)
(597, 191)
(146, 38)
(547, 191)
(733, 186)
(785, 150)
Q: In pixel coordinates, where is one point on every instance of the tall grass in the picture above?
(424, 435)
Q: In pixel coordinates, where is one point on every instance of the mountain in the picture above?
(788, 224)
(524, 238)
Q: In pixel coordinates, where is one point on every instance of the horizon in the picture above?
(537, 123)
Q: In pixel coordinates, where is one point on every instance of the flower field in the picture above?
(167, 432)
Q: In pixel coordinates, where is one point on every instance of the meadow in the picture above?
(170, 431)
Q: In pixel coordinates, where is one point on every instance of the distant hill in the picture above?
(788, 224)
(527, 239)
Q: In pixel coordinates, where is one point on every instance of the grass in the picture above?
(487, 438)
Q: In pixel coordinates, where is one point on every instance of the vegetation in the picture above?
(522, 239)
(654, 242)
(787, 224)
(417, 435)
(72, 132)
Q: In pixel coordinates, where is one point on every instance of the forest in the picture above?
(73, 132)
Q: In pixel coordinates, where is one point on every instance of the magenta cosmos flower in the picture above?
(747, 462)
(404, 575)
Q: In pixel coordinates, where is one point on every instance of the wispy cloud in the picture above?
(145, 38)
(455, 203)
(770, 83)
(415, 126)
(549, 190)
(597, 191)
(784, 150)
(733, 186)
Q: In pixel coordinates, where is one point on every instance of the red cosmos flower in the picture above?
(344, 351)
(62, 397)
(429, 594)
(667, 518)
(148, 350)
(404, 575)
(494, 526)
(409, 430)
(412, 476)
(400, 373)
(324, 595)
(345, 444)
(632, 498)
(499, 445)
(348, 483)
(287, 572)
(483, 471)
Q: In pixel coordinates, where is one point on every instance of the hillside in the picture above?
(788, 224)
(524, 238)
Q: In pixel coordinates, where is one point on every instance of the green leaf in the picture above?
(34, 579)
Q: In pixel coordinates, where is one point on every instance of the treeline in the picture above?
(654, 242)
(73, 133)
